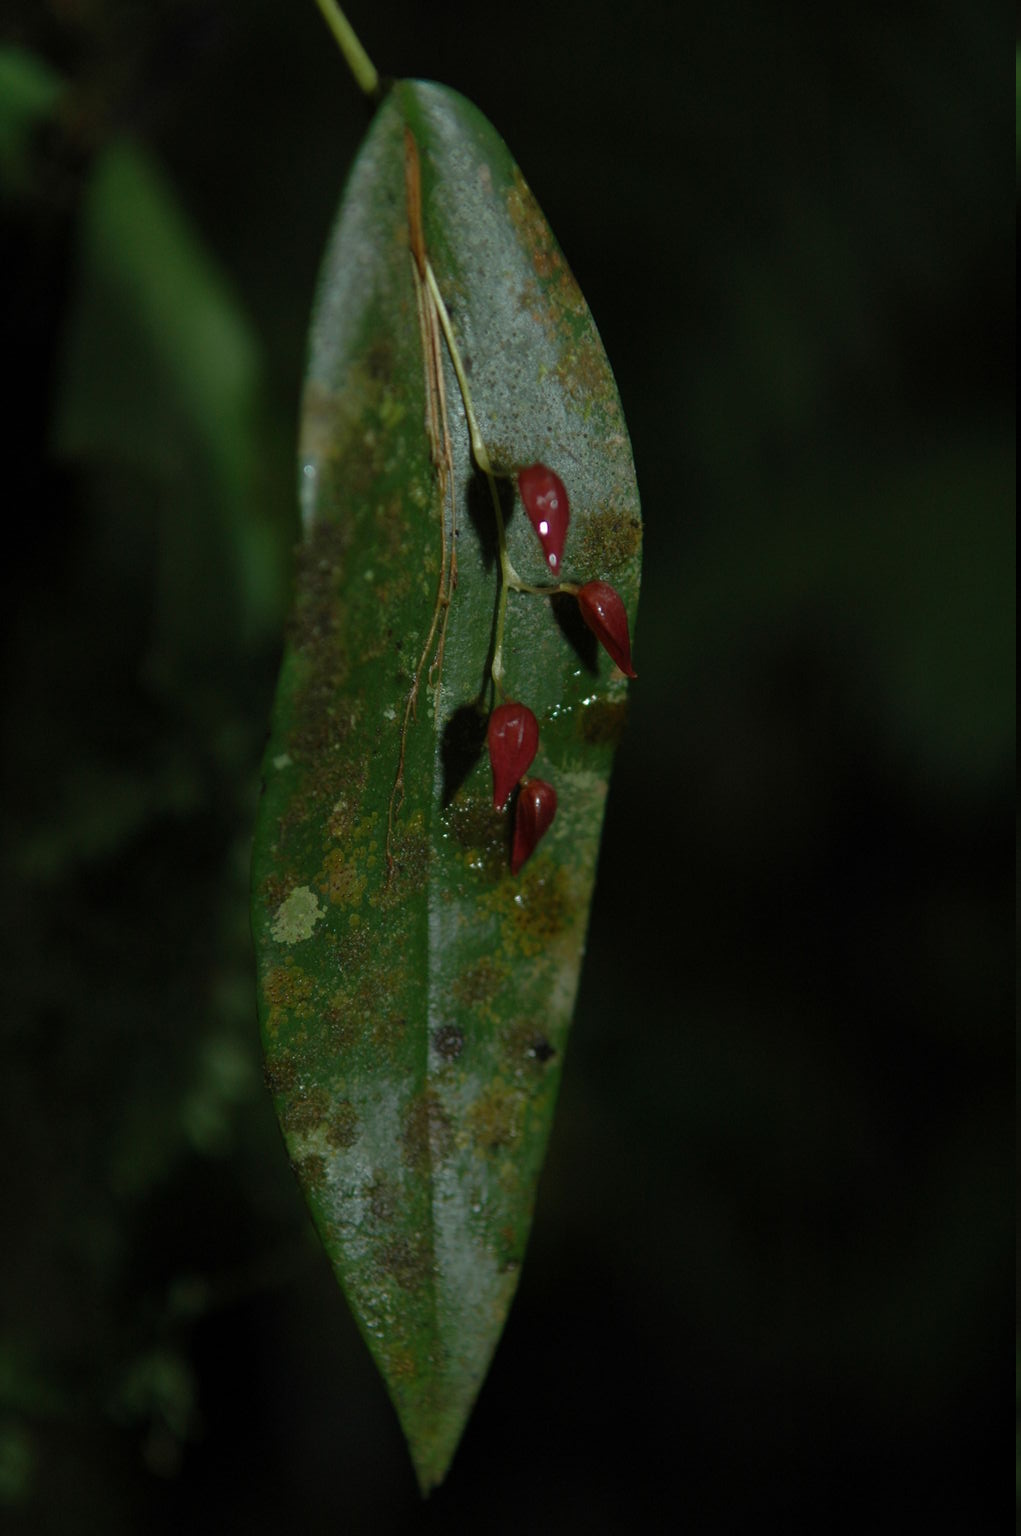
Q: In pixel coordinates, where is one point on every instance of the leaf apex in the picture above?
(432, 1446)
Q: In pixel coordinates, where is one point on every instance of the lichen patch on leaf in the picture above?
(296, 917)
(607, 540)
(341, 879)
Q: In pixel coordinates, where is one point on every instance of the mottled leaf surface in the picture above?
(415, 1012)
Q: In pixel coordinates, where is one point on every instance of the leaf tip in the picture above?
(432, 1446)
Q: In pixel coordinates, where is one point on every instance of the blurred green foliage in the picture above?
(162, 374)
(770, 1255)
(29, 93)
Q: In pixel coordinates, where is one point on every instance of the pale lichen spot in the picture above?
(282, 760)
(390, 411)
(297, 916)
(341, 820)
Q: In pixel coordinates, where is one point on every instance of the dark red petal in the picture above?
(604, 613)
(513, 738)
(548, 510)
(535, 810)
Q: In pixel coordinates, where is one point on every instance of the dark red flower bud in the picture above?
(548, 511)
(513, 738)
(603, 612)
(535, 810)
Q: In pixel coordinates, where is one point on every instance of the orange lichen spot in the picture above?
(311, 1171)
(606, 540)
(280, 1073)
(480, 984)
(405, 1262)
(426, 1132)
(342, 1125)
(340, 879)
(288, 986)
(495, 1119)
(305, 1110)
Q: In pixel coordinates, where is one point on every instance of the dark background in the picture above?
(769, 1276)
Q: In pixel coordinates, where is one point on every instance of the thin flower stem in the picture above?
(571, 588)
(358, 61)
(509, 578)
(508, 575)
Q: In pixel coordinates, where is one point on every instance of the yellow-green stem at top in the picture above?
(358, 61)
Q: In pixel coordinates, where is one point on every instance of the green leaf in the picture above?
(415, 1002)
(162, 373)
(30, 92)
